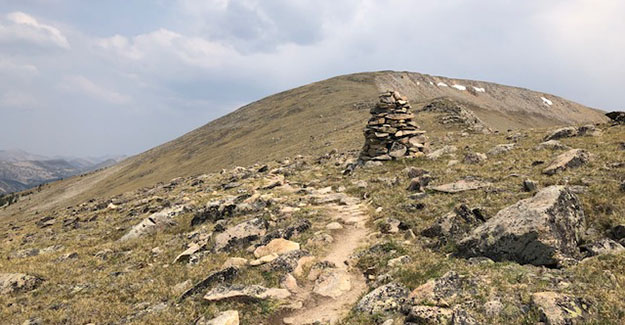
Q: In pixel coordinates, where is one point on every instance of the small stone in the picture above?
(334, 226)
(501, 148)
(529, 185)
(419, 183)
(474, 158)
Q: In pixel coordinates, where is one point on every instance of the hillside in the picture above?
(296, 241)
(314, 118)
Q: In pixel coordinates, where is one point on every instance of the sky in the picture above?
(89, 77)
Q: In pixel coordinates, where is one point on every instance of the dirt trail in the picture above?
(330, 298)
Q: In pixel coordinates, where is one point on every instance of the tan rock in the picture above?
(264, 259)
(334, 226)
(235, 261)
(276, 246)
(228, 317)
(571, 159)
(245, 292)
(333, 284)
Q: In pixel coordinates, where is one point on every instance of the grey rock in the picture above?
(429, 315)
(501, 148)
(387, 298)
(221, 276)
(559, 309)
(552, 145)
(462, 185)
(18, 282)
(153, 223)
(440, 291)
(571, 159)
(287, 262)
(437, 154)
(543, 230)
(474, 158)
(241, 234)
(603, 246)
(245, 292)
(529, 185)
(566, 132)
(453, 226)
(419, 183)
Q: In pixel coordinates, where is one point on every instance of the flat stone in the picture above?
(245, 292)
(333, 283)
(153, 223)
(461, 186)
(571, 159)
(277, 246)
(228, 317)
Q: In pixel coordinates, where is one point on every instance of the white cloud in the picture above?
(17, 100)
(10, 67)
(23, 27)
(83, 85)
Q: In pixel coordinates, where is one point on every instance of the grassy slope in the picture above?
(306, 120)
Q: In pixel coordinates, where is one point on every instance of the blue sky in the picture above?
(88, 78)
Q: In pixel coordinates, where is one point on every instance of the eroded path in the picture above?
(328, 294)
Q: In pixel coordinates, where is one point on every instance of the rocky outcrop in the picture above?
(559, 309)
(571, 159)
(542, 230)
(570, 131)
(603, 246)
(241, 234)
(224, 275)
(617, 117)
(455, 113)
(18, 282)
(391, 132)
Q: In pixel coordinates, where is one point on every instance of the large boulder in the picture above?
(617, 117)
(565, 132)
(241, 234)
(542, 230)
(18, 282)
(571, 159)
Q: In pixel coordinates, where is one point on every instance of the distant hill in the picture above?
(20, 170)
(317, 117)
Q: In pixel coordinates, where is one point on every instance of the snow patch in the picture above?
(442, 84)
(479, 90)
(546, 101)
(459, 87)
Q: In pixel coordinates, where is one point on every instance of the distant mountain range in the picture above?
(21, 170)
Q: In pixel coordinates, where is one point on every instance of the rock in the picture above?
(228, 317)
(618, 232)
(333, 283)
(437, 154)
(264, 259)
(474, 158)
(300, 226)
(501, 148)
(439, 292)
(277, 246)
(18, 282)
(235, 261)
(397, 150)
(570, 159)
(429, 315)
(542, 230)
(588, 129)
(566, 132)
(104, 254)
(334, 226)
(392, 226)
(192, 249)
(182, 287)
(241, 234)
(221, 276)
(461, 186)
(419, 183)
(559, 309)
(603, 246)
(288, 262)
(453, 226)
(552, 145)
(529, 185)
(413, 172)
(45, 222)
(153, 223)
(245, 292)
(398, 261)
(386, 298)
(617, 117)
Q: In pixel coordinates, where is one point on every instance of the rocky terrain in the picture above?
(484, 226)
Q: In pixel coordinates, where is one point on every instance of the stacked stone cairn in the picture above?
(391, 132)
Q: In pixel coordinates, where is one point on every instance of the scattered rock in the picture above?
(18, 282)
(501, 148)
(419, 183)
(542, 230)
(221, 276)
(571, 159)
(566, 132)
(559, 309)
(413, 172)
(603, 246)
(45, 222)
(155, 221)
(288, 262)
(300, 226)
(552, 145)
(192, 249)
(386, 298)
(461, 186)
(529, 185)
(439, 292)
(241, 234)
(392, 226)
(332, 283)
(617, 117)
(245, 292)
(437, 154)
(474, 158)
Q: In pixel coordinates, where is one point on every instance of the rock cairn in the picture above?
(391, 132)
